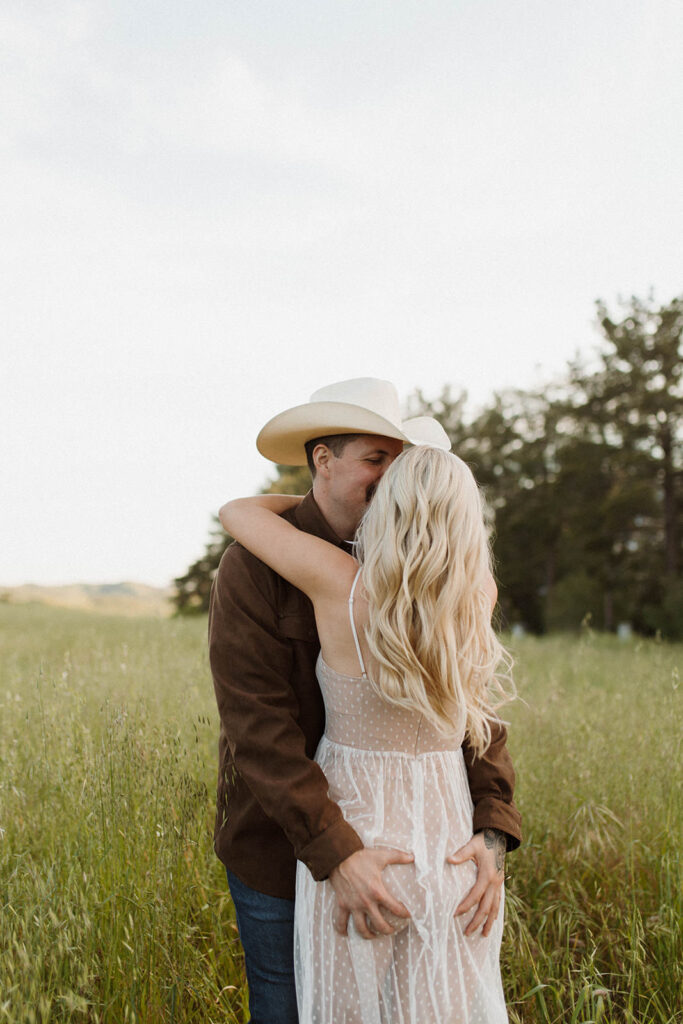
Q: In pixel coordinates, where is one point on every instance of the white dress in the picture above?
(401, 784)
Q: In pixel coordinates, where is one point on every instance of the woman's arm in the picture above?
(309, 563)
(277, 503)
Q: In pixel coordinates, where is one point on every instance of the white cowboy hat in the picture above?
(361, 406)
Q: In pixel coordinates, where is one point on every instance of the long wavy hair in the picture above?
(426, 557)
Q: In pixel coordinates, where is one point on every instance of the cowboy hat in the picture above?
(361, 406)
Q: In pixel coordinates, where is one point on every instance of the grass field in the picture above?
(114, 908)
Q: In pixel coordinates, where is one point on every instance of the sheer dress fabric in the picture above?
(401, 784)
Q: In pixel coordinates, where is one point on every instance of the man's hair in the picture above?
(335, 442)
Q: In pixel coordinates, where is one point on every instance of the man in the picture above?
(273, 804)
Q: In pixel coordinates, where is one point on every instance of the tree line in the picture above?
(582, 479)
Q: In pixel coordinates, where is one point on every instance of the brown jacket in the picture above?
(272, 806)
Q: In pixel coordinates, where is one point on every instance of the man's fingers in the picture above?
(362, 925)
(473, 897)
(480, 916)
(341, 920)
(385, 899)
(383, 896)
(465, 853)
(377, 923)
(491, 919)
(394, 906)
(395, 857)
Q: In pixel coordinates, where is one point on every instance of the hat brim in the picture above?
(283, 437)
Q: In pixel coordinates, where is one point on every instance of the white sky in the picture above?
(211, 209)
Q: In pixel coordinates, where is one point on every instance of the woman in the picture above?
(407, 666)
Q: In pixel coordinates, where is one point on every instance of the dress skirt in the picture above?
(428, 971)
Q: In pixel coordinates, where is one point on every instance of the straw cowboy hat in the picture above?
(361, 406)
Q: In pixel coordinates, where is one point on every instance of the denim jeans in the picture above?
(266, 927)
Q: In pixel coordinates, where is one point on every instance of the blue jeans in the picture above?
(266, 927)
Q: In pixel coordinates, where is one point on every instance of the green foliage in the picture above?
(114, 908)
(573, 599)
(194, 588)
(289, 480)
(584, 480)
(666, 616)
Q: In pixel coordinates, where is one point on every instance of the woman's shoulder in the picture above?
(339, 574)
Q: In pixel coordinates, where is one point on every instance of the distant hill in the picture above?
(106, 598)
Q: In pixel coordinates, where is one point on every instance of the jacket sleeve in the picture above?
(251, 665)
(492, 784)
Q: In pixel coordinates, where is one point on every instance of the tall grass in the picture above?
(113, 905)
(595, 901)
(114, 908)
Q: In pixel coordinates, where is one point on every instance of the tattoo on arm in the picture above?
(494, 839)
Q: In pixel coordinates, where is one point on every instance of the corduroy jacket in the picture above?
(272, 804)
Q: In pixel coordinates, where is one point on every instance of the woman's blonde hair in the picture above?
(426, 559)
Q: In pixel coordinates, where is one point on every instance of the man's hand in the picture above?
(360, 891)
(487, 850)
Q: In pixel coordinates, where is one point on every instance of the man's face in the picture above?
(355, 474)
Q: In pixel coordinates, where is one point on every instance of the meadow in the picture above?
(113, 907)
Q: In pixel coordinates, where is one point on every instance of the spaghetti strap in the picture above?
(353, 624)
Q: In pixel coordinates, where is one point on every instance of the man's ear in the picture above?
(321, 459)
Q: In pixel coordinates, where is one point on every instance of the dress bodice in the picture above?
(356, 716)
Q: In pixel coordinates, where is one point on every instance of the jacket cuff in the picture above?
(492, 813)
(329, 849)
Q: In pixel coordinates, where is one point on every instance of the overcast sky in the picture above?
(211, 209)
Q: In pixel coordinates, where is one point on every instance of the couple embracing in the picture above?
(363, 767)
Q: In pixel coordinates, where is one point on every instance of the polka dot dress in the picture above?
(401, 784)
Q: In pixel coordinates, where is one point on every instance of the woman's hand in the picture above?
(487, 850)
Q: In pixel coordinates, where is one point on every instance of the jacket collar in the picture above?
(310, 519)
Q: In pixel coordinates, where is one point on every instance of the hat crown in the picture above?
(364, 405)
(378, 396)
